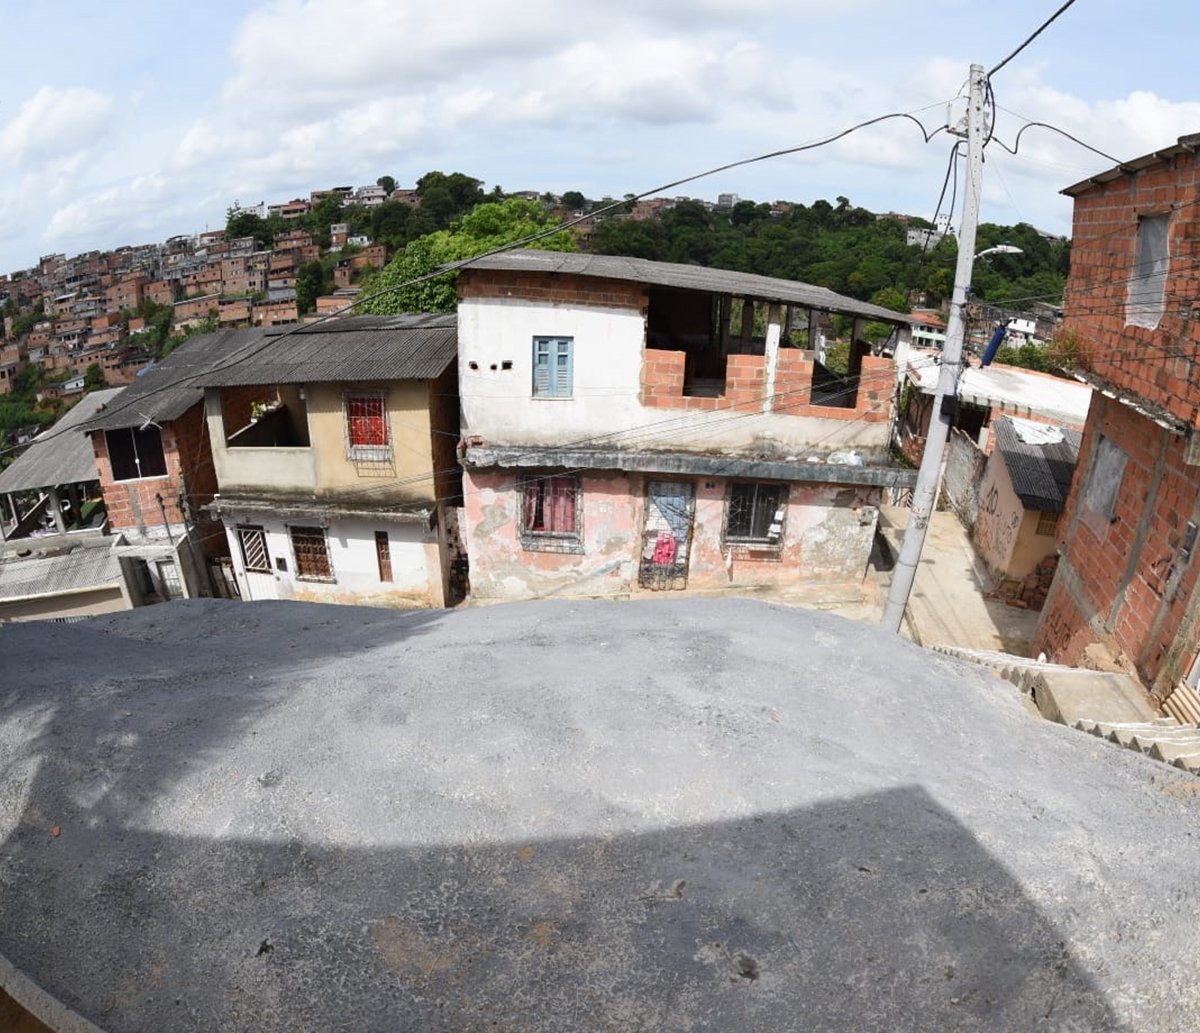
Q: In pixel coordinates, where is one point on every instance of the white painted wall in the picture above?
(416, 570)
(498, 404)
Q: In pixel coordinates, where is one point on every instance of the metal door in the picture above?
(667, 535)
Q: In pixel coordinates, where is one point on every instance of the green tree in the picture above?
(311, 283)
(387, 182)
(574, 200)
(93, 378)
(488, 226)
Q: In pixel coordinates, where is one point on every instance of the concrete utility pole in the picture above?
(925, 492)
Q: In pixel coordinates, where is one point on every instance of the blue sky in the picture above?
(130, 122)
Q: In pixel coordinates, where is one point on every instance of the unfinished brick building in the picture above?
(1126, 580)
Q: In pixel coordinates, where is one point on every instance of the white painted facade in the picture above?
(495, 339)
(353, 557)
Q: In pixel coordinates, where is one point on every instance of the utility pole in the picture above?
(944, 400)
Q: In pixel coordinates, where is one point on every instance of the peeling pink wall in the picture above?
(828, 535)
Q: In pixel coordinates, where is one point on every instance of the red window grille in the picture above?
(367, 422)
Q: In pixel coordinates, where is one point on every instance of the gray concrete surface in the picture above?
(668, 815)
(948, 605)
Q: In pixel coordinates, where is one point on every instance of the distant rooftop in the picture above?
(1011, 387)
(1041, 461)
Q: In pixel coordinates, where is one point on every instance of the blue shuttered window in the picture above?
(553, 370)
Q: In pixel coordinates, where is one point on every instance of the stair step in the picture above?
(1171, 752)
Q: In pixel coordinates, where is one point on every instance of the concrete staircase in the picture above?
(1105, 704)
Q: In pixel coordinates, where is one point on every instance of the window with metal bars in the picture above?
(553, 367)
(1047, 524)
(255, 557)
(368, 436)
(550, 513)
(311, 549)
(383, 553)
(754, 514)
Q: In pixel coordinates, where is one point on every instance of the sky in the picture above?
(130, 122)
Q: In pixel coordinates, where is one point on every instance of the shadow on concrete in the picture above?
(877, 912)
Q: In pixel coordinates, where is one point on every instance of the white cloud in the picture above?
(54, 123)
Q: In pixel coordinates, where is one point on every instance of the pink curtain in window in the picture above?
(560, 504)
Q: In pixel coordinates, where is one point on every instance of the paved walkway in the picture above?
(947, 606)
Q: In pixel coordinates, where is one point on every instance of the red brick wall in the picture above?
(574, 290)
(793, 380)
(133, 504)
(1158, 365)
(1127, 584)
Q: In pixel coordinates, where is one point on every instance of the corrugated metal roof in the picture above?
(1040, 474)
(685, 277)
(1185, 145)
(406, 347)
(170, 388)
(61, 455)
(82, 568)
(1011, 387)
(416, 346)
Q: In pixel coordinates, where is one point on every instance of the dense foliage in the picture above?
(488, 226)
(841, 247)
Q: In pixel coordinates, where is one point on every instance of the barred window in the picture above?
(311, 550)
(367, 431)
(754, 514)
(254, 549)
(1047, 524)
(550, 513)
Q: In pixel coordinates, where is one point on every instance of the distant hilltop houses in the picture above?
(114, 310)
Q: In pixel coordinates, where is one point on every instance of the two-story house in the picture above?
(333, 448)
(156, 473)
(1127, 574)
(639, 425)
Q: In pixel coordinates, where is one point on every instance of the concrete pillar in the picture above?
(774, 330)
(56, 511)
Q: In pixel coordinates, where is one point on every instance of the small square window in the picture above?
(311, 549)
(550, 513)
(754, 515)
(368, 436)
(135, 454)
(1047, 524)
(553, 367)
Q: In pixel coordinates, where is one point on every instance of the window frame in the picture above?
(310, 531)
(366, 453)
(762, 542)
(551, 384)
(383, 556)
(542, 540)
(133, 433)
(1146, 288)
(260, 531)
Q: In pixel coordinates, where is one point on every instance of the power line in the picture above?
(1034, 35)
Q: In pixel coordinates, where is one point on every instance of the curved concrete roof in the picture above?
(666, 815)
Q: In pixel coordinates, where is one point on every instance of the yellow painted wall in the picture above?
(408, 408)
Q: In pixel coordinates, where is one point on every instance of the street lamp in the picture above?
(1001, 249)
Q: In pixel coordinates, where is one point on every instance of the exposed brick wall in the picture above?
(564, 288)
(1126, 584)
(1158, 365)
(746, 385)
(793, 380)
(134, 504)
